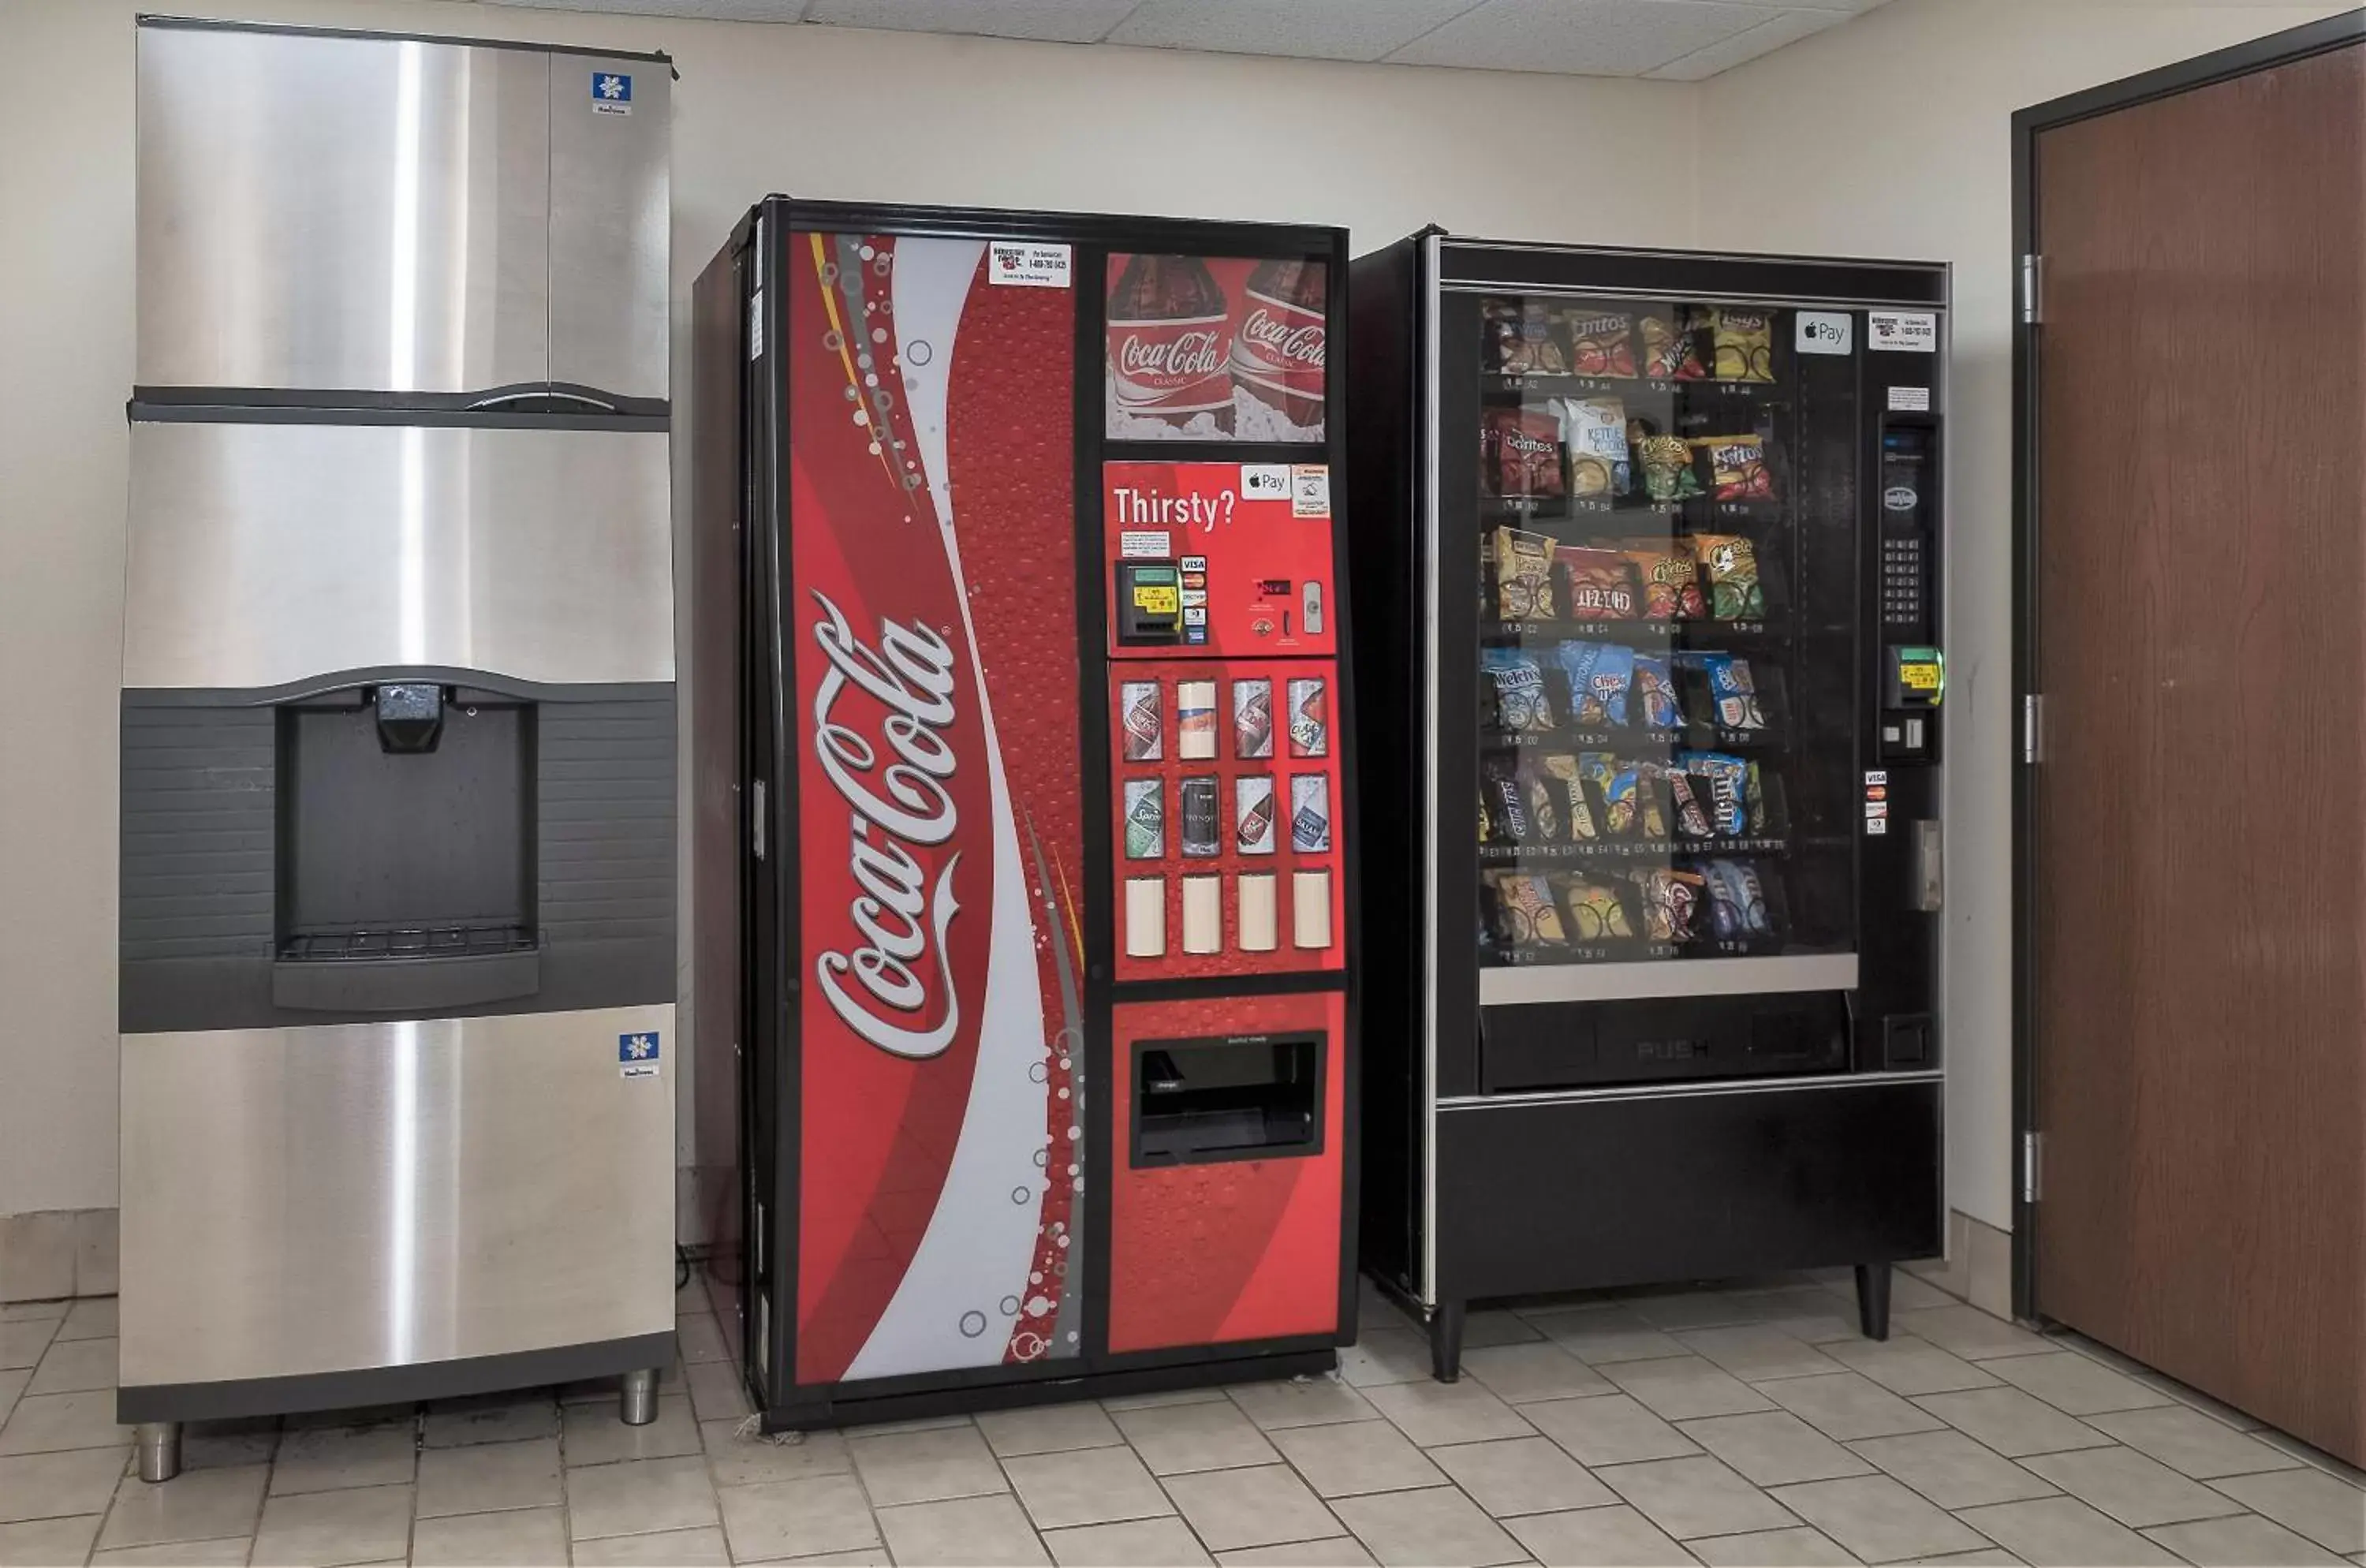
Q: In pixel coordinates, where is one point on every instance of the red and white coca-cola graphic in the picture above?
(1277, 338)
(1170, 344)
(939, 814)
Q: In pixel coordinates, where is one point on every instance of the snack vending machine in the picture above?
(1026, 1042)
(1652, 592)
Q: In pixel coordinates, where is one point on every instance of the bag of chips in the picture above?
(1561, 769)
(1521, 705)
(1596, 912)
(1599, 674)
(1594, 430)
(1601, 583)
(1670, 351)
(1732, 691)
(1615, 786)
(1655, 692)
(1742, 344)
(1669, 898)
(1525, 909)
(1600, 342)
(1520, 338)
(1692, 815)
(1754, 790)
(1670, 580)
(1521, 452)
(1737, 465)
(1523, 575)
(1731, 566)
(1728, 779)
(1737, 905)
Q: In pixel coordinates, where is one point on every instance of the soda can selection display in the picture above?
(1200, 818)
(1253, 719)
(1145, 819)
(1144, 720)
(1253, 809)
(1310, 719)
(1195, 719)
(1310, 815)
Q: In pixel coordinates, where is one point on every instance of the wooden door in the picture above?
(2199, 892)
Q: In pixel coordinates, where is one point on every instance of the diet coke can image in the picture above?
(1145, 819)
(1252, 719)
(1140, 712)
(1199, 835)
(1277, 342)
(1310, 719)
(1310, 814)
(1252, 814)
(1170, 349)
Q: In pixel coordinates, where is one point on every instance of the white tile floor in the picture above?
(1746, 1424)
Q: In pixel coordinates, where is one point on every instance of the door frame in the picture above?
(2262, 53)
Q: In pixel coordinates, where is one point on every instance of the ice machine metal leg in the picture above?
(160, 1450)
(1445, 1342)
(1873, 1299)
(637, 1401)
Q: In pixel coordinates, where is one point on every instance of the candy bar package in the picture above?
(1601, 583)
(1503, 811)
(1594, 430)
(1732, 691)
(1655, 692)
(1521, 340)
(1742, 344)
(1691, 815)
(1525, 909)
(1731, 566)
(1598, 674)
(1615, 788)
(1668, 350)
(1737, 903)
(1521, 704)
(1520, 450)
(1544, 812)
(1737, 467)
(1670, 900)
(1670, 580)
(1729, 788)
(1652, 798)
(1560, 770)
(1596, 912)
(1523, 575)
(1600, 342)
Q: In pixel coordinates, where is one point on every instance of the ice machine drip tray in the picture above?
(1248, 1097)
(406, 862)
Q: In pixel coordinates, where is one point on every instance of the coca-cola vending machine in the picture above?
(1025, 1044)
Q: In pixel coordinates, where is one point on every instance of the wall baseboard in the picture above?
(1978, 1267)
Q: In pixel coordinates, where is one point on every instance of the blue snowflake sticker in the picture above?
(637, 1055)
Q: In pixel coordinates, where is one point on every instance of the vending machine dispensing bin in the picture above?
(1651, 579)
(1023, 837)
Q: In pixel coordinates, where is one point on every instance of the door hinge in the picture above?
(2033, 289)
(2032, 1145)
(755, 819)
(2033, 728)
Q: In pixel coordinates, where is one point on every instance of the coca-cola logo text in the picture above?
(1177, 354)
(1301, 344)
(899, 915)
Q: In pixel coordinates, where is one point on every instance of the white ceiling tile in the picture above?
(1057, 21)
(1323, 29)
(707, 10)
(1597, 38)
(1782, 28)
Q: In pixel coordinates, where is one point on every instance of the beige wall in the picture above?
(816, 111)
(1891, 136)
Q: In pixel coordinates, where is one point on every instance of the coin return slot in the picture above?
(1196, 1101)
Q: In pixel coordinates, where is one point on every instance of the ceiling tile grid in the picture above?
(1669, 40)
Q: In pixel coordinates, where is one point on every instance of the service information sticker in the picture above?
(1909, 399)
(1146, 544)
(1025, 263)
(1902, 332)
(1310, 490)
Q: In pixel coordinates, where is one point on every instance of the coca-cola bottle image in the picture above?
(1277, 340)
(1170, 345)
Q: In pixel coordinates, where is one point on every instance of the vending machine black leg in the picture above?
(1873, 1299)
(1445, 1342)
